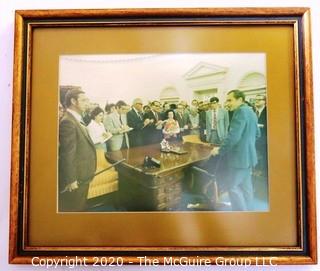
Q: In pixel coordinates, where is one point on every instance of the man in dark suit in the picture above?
(135, 121)
(77, 154)
(239, 152)
(262, 151)
(203, 108)
(183, 119)
(153, 132)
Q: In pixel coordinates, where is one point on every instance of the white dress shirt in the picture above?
(75, 114)
(96, 131)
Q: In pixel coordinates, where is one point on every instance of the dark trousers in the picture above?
(262, 153)
(75, 201)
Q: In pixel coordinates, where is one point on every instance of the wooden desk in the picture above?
(157, 188)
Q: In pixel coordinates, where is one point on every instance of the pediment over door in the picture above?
(205, 79)
(170, 94)
(252, 84)
(203, 69)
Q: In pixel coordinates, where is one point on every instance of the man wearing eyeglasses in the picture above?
(153, 131)
(135, 120)
(239, 151)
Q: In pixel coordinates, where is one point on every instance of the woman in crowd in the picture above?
(96, 129)
(171, 127)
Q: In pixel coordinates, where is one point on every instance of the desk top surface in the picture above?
(168, 161)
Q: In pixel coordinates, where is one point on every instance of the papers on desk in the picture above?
(107, 138)
(174, 150)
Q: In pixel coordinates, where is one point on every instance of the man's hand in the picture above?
(107, 134)
(215, 151)
(71, 186)
(146, 122)
(159, 122)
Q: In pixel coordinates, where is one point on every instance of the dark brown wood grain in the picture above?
(310, 147)
(169, 161)
(15, 145)
(161, 12)
(121, 17)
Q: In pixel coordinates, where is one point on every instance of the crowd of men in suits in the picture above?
(238, 128)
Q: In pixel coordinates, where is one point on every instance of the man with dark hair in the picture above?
(239, 151)
(152, 133)
(114, 124)
(146, 109)
(61, 111)
(262, 150)
(165, 108)
(86, 114)
(217, 122)
(203, 108)
(195, 103)
(183, 118)
(77, 154)
(109, 108)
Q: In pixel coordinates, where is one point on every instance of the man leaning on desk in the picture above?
(239, 151)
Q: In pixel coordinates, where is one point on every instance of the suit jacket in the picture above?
(262, 120)
(222, 123)
(151, 134)
(183, 119)
(239, 145)
(113, 125)
(135, 122)
(77, 154)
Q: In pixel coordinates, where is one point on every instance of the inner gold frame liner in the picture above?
(278, 227)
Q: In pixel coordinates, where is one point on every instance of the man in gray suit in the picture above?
(115, 125)
(217, 122)
(77, 154)
(239, 152)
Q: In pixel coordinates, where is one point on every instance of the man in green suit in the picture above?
(239, 152)
(77, 154)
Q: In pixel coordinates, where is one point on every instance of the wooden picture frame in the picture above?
(28, 245)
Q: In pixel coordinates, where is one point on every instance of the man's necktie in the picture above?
(214, 121)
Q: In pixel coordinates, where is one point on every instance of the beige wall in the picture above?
(114, 77)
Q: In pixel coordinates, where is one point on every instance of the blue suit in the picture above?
(238, 150)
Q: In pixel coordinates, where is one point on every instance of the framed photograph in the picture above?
(163, 136)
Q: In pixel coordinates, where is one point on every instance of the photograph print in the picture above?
(163, 132)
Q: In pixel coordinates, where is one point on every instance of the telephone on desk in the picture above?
(150, 162)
